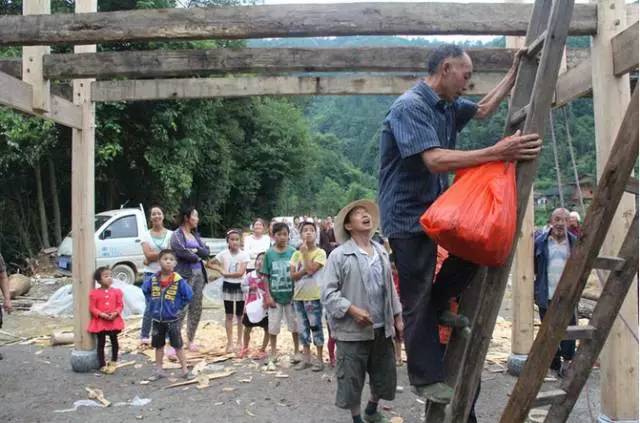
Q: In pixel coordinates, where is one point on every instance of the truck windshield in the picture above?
(100, 220)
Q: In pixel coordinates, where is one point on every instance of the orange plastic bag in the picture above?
(475, 219)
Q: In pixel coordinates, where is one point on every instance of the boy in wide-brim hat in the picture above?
(365, 311)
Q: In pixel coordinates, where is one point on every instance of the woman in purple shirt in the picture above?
(190, 252)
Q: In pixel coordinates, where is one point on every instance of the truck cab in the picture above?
(118, 238)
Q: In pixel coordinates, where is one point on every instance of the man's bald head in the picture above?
(558, 222)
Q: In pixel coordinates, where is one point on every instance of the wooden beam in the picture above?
(163, 89)
(172, 63)
(625, 50)
(83, 205)
(166, 63)
(577, 81)
(32, 66)
(17, 94)
(299, 20)
(574, 83)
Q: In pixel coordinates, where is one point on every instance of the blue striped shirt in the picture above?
(417, 121)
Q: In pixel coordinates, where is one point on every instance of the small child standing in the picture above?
(276, 268)
(306, 265)
(232, 269)
(255, 284)
(105, 305)
(167, 294)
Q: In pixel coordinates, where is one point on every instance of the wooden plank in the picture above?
(171, 63)
(573, 83)
(165, 63)
(608, 263)
(19, 95)
(603, 317)
(549, 397)
(299, 20)
(535, 47)
(609, 192)
(519, 116)
(625, 50)
(32, 66)
(576, 332)
(162, 89)
(541, 80)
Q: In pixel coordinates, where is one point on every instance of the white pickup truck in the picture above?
(118, 240)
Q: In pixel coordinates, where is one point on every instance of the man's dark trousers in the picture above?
(422, 302)
(567, 347)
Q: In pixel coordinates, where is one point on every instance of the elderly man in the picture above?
(552, 250)
(417, 150)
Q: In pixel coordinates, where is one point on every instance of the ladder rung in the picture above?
(537, 44)
(579, 332)
(519, 115)
(609, 263)
(632, 186)
(548, 398)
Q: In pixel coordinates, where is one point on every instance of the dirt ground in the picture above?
(38, 385)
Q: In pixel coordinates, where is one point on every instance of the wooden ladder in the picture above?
(528, 110)
(615, 179)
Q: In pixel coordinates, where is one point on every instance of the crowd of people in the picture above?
(306, 273)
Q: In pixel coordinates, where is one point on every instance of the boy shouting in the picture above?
(365, 311)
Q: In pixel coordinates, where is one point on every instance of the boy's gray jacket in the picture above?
(343, 285)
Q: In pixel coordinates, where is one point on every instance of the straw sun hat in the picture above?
(342, 235)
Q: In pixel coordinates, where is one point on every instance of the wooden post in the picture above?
(611, 95)
(32, 59)
(522, 276)
(83, 358)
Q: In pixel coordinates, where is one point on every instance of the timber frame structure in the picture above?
(180, 74)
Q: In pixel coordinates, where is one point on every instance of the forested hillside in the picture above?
(233, 158)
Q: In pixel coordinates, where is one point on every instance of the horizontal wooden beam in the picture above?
(171, 63)
(295, 20)
(625, 50)
(18, 95)
(574, 83)
(175, 63)
(162, 89)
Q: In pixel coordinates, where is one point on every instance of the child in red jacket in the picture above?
(105, 305)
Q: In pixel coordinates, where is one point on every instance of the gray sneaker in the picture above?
(303, 365)
(439, 392)
(378, 417)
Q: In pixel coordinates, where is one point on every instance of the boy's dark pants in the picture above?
(356, 359)
(422, 302)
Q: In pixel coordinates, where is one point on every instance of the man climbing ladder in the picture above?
(417, 150)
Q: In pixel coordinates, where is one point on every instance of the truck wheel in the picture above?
(124, 273)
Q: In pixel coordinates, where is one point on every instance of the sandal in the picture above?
(260, 355)
(188, 375)
(242, 353)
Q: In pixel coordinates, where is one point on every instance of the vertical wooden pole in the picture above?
(83, 211)
(32, 59)
(522, 276)
(611, 95)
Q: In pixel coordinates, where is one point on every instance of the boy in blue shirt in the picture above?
(167, 295)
